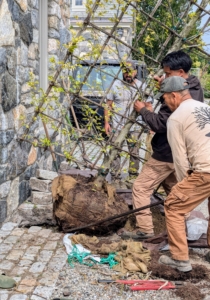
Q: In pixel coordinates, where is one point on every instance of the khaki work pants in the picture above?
(184, 197)
(133, 148)
(153, 173)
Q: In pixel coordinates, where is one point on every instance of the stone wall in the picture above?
(19, 55)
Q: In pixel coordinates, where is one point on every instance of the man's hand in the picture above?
(159, 80)
(138, 105)
(107, 128)
(148, 106)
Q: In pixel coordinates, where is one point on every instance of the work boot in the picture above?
(181, 265)
(135, 235)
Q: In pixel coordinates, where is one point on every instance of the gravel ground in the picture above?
(80, 283)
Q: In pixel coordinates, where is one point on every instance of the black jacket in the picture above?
(157, 122)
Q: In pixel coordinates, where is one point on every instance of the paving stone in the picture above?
(37, 267)
(5, 248)
(4, 296)
(11, 239)
(9, 226)
(45, 255)
(56, 264)
(40, 185)
(29, 281)
(41, 198)
(19, 297)
(60, 253)
(34, 297)
(43, 291)
(20, 245)
(15, 255)
(17, 279)
(3, 233)
(25, 263)
(50, 245)
(2, 256)
(45, 233)
(25, 289)
(30, 257)
(18, 271)
(33, 250)
(56, 236)
(34, 229)
(28, 237)
(6, 265)
(44, 174)
(40, 241)
(49, 278)
(18, 231)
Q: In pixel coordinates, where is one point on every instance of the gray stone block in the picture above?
(4, 189)
(26, 29)
(24, 191)
(15, 10)
(29, 214)
(41, 198)
(3, 60)
(3, 210)
(35, 18)
(3, 173)
(34, 3)
(6, 137)
(44, 174)
(8, 92)
(40, 185)
(53, 34)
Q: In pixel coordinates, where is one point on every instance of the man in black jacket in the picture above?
(159, 168)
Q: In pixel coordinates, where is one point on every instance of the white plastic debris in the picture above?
(195, 228)
(69, 247)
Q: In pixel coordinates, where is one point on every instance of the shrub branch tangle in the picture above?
(159, 27)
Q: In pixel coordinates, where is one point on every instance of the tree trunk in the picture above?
(108, 159)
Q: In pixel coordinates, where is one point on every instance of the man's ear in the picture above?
(182, 72)
(173, 95)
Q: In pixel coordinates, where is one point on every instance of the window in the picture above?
(78, 2)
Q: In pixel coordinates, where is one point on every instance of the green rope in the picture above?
(77, 256)
(109, 260)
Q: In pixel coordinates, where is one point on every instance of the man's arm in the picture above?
(175, 135)
(156, 121)
(107, 126)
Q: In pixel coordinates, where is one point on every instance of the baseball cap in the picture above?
(172, 84)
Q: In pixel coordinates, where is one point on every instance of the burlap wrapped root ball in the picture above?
(78, 204)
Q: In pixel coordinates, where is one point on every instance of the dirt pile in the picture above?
(189, 291)
(199, 272)
(78, 203)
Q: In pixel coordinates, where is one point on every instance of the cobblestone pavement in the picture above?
(36, 258)
(33, 257)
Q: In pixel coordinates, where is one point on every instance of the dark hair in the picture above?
(177, 60)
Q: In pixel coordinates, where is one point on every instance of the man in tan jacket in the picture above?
(188, 132)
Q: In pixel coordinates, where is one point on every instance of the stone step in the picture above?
(41, 198)
(45, 174)
(40, 185)
(29, 214)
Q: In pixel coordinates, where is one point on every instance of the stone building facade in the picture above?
(20, 30)
(125, 30)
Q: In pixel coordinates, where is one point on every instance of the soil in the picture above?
(198, 273)
(158, 220)
(189, 291)
(81, 204)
